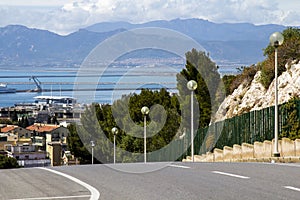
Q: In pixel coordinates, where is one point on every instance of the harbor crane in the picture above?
(37, 83)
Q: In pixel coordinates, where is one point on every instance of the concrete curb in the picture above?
(259, 152)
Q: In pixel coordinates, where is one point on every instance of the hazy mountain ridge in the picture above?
(228, 44)
(201, 30)
(20, 45)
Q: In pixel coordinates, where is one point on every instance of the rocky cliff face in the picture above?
(253, 96)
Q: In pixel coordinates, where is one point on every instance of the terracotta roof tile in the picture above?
(8, 129)
(42, 128)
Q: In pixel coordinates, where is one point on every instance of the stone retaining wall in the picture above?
(259, 152)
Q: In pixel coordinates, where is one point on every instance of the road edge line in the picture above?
(292, 188)
(95, 195)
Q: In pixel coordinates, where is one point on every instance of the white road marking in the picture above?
(94, 192)
(62, 197)
(179, 166)
(232, 175)
(292, 188)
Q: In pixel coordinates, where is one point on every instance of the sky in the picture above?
(67, 16)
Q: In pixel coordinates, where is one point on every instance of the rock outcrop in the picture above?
(253, 96)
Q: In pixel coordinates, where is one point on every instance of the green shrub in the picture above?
(227, 80)
(8, 162)
(246, 76)
(291, 125)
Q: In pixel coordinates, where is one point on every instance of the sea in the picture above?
(102, 87)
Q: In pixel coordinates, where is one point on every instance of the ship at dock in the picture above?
(5, 89)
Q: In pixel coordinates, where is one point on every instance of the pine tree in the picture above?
(201, 69)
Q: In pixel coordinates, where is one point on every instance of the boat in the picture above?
(5, 89)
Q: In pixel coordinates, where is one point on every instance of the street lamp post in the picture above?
(276, 39)
(114, 131)
(145, 111)
(192, 85)
(92, 145)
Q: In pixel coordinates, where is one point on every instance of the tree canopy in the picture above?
(98, 120)
(169, 115)
(209, 93)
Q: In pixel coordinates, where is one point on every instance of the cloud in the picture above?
(137, 11)
(52, 19)
(290, 18)
(80, 13)
(33, 2)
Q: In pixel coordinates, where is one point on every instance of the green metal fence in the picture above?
(247, 128)
(250, 127)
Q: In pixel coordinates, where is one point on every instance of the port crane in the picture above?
(37, 83)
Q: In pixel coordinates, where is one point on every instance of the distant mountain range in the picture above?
(228, 44)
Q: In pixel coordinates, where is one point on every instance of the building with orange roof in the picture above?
(45, 134)
(21, 133)
(13, 135)
(8, 128)
(42, 128)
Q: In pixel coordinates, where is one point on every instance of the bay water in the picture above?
(104, 88)
(95, 87)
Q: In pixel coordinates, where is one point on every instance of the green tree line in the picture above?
(165, 122)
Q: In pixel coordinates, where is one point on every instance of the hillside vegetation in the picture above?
(252, 89)
(288, 52)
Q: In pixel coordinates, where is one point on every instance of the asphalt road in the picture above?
(154, 181)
